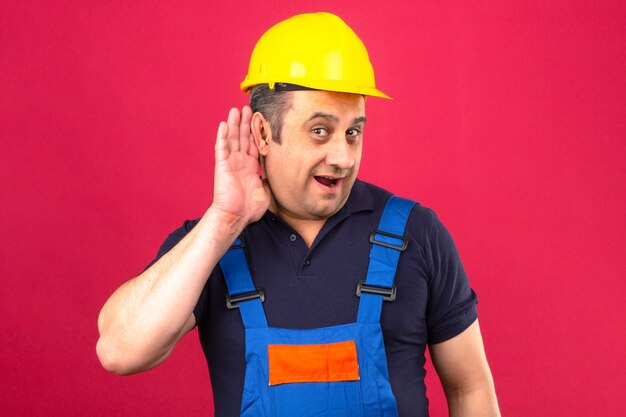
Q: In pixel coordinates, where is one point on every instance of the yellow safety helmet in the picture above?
(316, 50)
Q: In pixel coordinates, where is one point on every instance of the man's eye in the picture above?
(353, 132)
(320, 131)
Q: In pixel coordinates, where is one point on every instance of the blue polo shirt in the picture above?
(316, 287)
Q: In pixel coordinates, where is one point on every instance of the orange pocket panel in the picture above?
(313, 363)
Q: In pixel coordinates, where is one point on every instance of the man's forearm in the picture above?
(475, 403)
(142, 321)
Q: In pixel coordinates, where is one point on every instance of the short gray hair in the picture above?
(272, 105)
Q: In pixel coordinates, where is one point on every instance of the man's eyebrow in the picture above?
(335, 119)
(358, 120)
(322, 115)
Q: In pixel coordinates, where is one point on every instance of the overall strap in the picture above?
(241, 291)
(388, 242)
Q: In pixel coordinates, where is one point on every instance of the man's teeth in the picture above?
(327, 181)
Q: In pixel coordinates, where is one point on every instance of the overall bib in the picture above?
(336, 371)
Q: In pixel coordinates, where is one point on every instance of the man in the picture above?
(269, 273)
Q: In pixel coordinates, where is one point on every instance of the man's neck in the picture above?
(306, 228)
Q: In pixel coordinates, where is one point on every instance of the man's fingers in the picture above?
(233, 129)
(221, 143)
(234, 135)
(244, 129)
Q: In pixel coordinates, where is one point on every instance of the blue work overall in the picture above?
(333, 371)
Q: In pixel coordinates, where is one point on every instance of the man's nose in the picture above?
(340, 154)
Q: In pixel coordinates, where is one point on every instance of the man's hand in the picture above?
(238, 193)
(143, 320)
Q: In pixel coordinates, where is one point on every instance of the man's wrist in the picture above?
(224, 224)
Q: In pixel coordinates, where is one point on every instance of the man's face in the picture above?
(312, 170)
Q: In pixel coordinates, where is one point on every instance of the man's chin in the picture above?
(328, 207)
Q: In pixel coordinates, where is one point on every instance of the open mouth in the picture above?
(327, 181)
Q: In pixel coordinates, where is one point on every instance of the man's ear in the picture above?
(261, 132)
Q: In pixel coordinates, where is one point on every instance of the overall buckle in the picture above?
(401, 247)
(389, 294)
(232, 302)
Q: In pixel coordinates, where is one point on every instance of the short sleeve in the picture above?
(171, 241)
(452, 302)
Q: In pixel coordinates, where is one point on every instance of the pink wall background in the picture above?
(508, 119)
